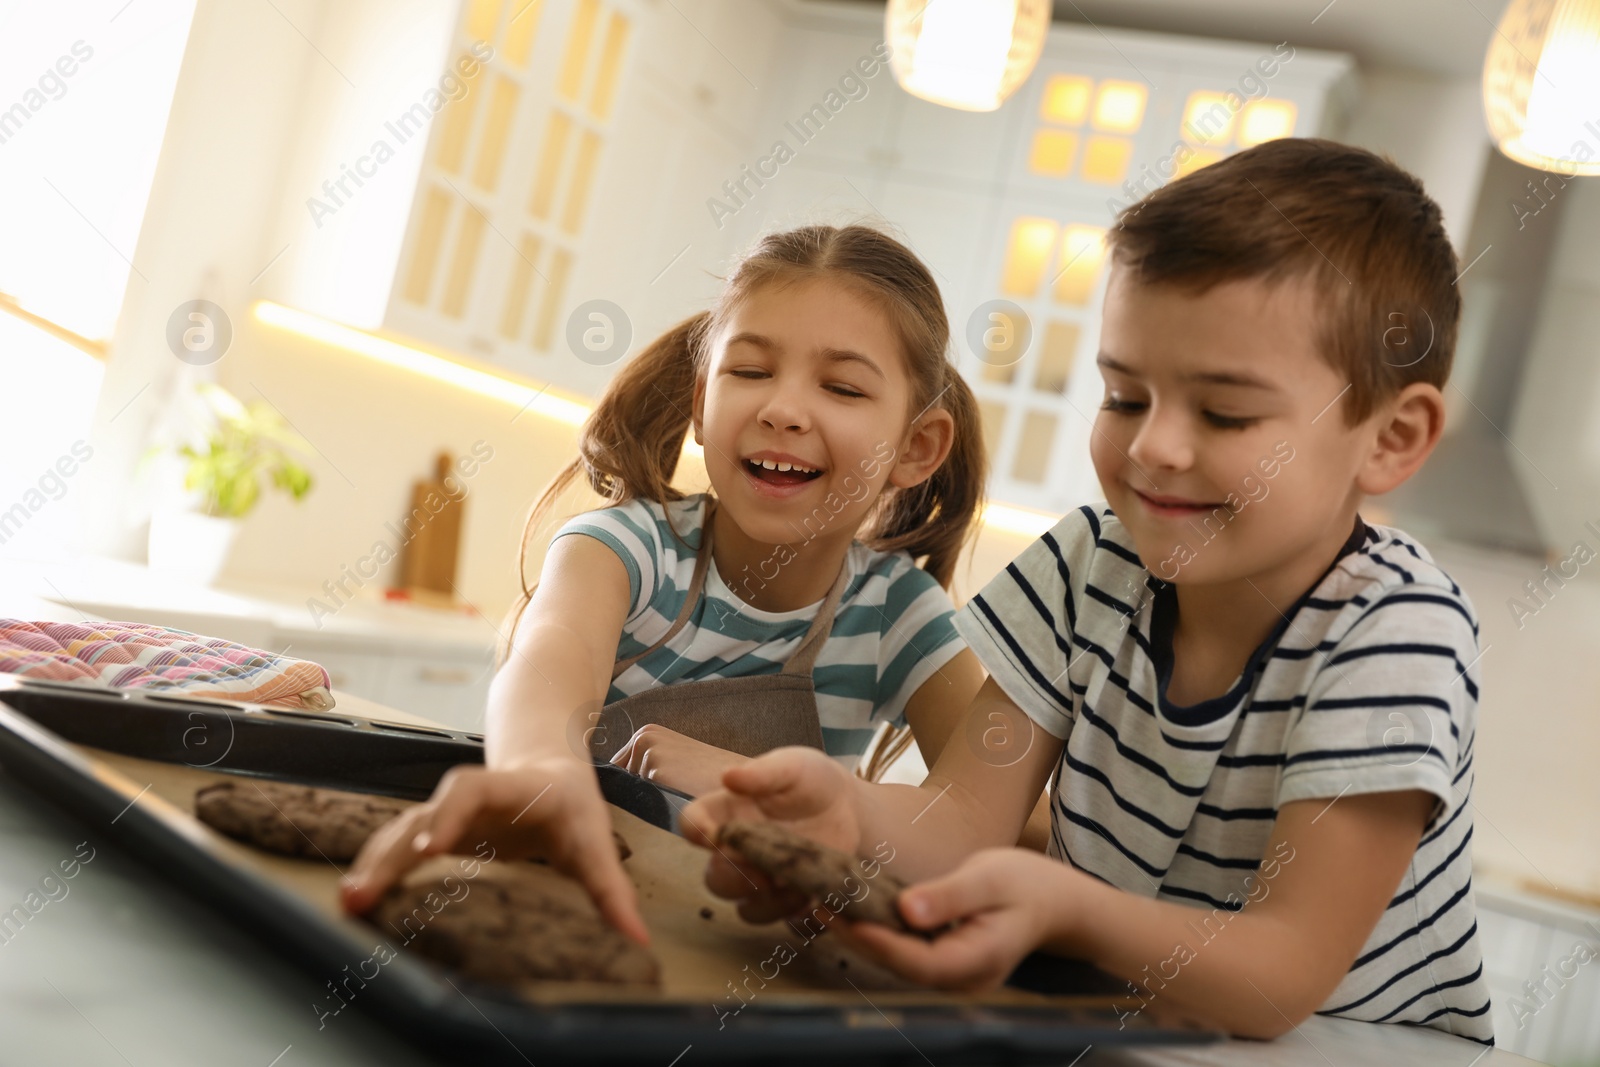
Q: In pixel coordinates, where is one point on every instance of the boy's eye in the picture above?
(1228, 422)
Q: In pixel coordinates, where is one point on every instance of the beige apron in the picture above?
(744, 715)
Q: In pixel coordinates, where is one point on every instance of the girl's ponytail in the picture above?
(630, 444)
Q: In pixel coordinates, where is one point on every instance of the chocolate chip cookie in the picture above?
(859, 890)
(295, 820)
(509, 923)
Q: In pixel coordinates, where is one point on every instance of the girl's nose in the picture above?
(1162, 441)
(784, 411)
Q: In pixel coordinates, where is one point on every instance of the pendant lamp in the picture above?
(1541, 85)
(965, 54)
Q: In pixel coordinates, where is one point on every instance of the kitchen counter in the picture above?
(121, 971)
(429, 661)
(251, 614)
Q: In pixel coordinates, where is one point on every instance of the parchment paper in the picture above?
(721, 959)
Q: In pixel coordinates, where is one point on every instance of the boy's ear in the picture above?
(1407, 431)
(926, 445)
(698, 412)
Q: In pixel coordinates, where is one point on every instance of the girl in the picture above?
(819, 389)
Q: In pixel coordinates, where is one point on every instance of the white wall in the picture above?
(1557, 416)
(1432, 126)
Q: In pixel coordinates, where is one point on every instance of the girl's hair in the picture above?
(628, 448)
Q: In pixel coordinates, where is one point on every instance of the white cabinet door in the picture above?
(941, 146)
(739, 40)
(453, 692)
(362, 674)
(826, 111)
(949, 230)
(507, 188)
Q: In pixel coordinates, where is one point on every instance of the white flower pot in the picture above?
(190, 546)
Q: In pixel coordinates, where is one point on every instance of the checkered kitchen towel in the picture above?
(131, 655)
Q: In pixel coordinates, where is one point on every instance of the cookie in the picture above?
(295, 820)
(819, 871)
(510, 923)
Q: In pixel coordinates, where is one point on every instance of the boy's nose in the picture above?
(1162, 441)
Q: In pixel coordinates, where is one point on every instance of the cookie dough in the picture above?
(800, 863)
(511, 923)
(295, 820)
(304, 821)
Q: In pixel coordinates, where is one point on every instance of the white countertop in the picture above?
(123, 971)
(249, 614)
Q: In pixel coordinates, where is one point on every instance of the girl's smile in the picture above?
(780, 474)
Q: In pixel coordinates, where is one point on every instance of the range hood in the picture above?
(1471, 490)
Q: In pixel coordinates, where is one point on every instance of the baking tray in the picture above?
(127, 763)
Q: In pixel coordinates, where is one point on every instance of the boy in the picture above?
(1255, 711)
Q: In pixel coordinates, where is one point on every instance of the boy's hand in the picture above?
(551, 809)
(676, 760)
(1003, 900)
(800, 787)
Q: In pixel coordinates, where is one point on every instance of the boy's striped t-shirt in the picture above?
(892, 631)
(1369, 684)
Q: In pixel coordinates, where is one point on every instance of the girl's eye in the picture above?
(1120, 406)
(842, 390)
(1228, 422)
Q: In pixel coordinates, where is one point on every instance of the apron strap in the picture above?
(800, 661)
(701, 564)
(805, 657)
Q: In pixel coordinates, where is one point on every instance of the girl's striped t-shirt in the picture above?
(1368, 685)
(892, 631)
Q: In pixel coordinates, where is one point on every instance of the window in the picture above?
(78, 150)
(84, 94)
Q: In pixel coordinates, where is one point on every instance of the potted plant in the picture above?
(242, 446)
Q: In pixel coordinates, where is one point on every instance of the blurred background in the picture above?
(391, 230)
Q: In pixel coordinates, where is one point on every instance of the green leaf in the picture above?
(244, 443)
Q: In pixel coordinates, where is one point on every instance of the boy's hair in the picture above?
(629, 446)
(1362, 230)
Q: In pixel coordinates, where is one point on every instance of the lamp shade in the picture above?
(965, 54)
(1541, 85)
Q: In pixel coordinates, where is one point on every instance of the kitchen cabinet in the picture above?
(1545, 998)
(450, 690)
(604, 152)
(506, 187)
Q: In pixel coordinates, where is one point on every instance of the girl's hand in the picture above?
(551, 808)
(676, 760)
(806, 790)
(1005, 902)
